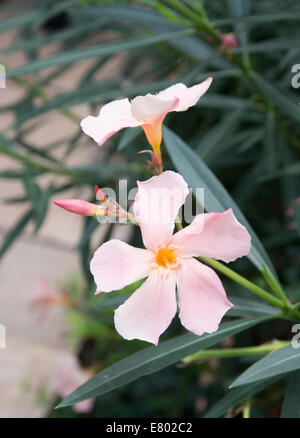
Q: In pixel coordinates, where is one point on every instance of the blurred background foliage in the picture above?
(245, 129)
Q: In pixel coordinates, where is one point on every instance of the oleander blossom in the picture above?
(146, 111)
(168, 262)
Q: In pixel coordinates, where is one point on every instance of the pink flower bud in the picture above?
(228, 41)
(78, 206)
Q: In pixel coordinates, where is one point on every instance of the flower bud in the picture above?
(228, 41)
(80, 207)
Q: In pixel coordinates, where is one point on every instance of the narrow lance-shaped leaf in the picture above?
(154, 359)
(284, 104)
(189, 45)
(234, 397)
(15, 232)
(92, 52)
(282, 361)
(291, 404)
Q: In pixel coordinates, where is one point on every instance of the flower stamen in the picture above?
(165, 257)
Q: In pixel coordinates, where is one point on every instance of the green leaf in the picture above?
(189, 45)
(68, 57)
(153, 359)
(284, 104)
(291, 404)
(259, 19)
(32, 188)
(43, 207)
(19, 20)
(269, 143)
(282, 361)
(222, 101)
(212, 142)
(293, 169)
(198, 175)
(240, 8)
(15, 232)
(234, 397)
(246, 307)
(268, 45)
(92, 92)
(295, 205)
(127, 137)
(56, 36)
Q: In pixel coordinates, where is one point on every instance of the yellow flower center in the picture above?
(165, 257)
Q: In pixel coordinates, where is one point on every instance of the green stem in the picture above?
(236, 352)
(275, 286)
(246, 409)
(246, 283)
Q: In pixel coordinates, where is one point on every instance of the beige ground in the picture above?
(35, 347)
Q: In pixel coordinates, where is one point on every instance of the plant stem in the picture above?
(275, 286)
(236, 352)
(246, 409)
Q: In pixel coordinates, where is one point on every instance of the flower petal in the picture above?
(116, 264)
(173, 91)
(156, 206)
(202, 298)
(151, 108)
(190, 96)
(112, 117)
(216, 235)
(149, 310)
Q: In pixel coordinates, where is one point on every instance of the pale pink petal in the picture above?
(202, 298)
(156, 206)
(149, 310)
(216, 235)
(190, 96)
(116, 264)
(151, 108)
(112, 117)
(173, 91)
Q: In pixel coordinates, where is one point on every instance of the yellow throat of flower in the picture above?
(165, 257)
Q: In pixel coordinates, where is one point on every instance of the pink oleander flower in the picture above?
(69, 376)
(168, 262)
(146, 111)
(228, 41)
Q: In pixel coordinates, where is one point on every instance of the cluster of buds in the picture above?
(107, 207)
